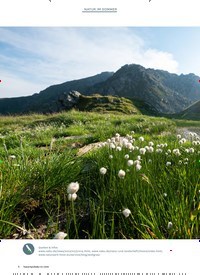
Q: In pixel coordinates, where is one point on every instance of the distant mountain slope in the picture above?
(154, 90)
(190, 113)
(48, 99)
(167, 92)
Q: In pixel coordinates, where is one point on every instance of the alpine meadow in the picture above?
(88, 175)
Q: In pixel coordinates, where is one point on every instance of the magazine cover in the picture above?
(99, 138)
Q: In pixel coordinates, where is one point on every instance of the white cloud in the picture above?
(12, 86)
(40, 57)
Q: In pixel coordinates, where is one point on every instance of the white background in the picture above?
(69, 13)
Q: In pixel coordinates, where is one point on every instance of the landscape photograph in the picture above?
(99, 133)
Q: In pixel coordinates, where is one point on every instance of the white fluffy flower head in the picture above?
(60, 235)
(126, 212)
(72, 197)
(103, 170)
(73, 187)
(121, 174)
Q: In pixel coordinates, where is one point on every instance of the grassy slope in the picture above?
(33, 184)
(191, 113)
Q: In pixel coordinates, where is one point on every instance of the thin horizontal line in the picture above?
(99, 11)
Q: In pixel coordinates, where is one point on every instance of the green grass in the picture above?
(38, 160)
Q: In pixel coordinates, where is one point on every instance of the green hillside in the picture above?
(95, 175)
(191, 113)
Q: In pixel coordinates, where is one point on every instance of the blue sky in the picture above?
(32, 59)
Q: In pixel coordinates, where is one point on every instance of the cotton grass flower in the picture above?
(130, 162)
(126, 156)
(60, 235)
(170, 225)
(142, 151)
(12, 157)
(191, 150)
(103, 170)
(168, 163)
(73, 187)
(112, 145)
(151, 149)
(72, 197)
(141, 139)
(151, 143)
(176, 152)
(121, 174)
(126, 212)
(136, 162)
(178, 136)
(138, 167)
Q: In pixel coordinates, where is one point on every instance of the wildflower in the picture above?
(170, 225)
(117, 135)
(184, 140)
(112, 145)
(142, 151)
(151, 143)
(130, 162)
(165, 194)
(138, 167)
(159, 150)
(141, 139)
(72, 197)
(136, 162)
(124, 141)
(126, 156)
(139, 157)
(109, 140)
(129, 145)
(60, 235)
(12, 157)
(180, 162)
(178, 136)
(191, 150)
(132, 132)
(121, 174)
(151, 149)
(73, 187)
(169, 151)
(168, 163)
(176, 152)
(150, 161)
(103, 170)
(113, 139)
(126, 212)
(118, 148)
(111, 157)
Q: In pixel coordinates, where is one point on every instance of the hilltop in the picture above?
(157, 90)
